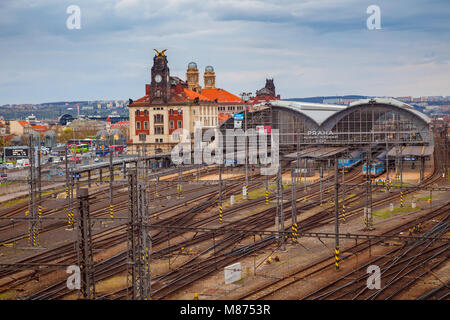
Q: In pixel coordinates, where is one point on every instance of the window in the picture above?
(159, 130)
(171, 112)
(159, 118)
(145, 114)
(138, 113)
(171, 124)
(180, 111)
(179, 124)
(138, 125)
(145, 125)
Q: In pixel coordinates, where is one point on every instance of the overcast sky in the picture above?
(310, 48)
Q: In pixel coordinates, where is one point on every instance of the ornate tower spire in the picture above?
(159, 85)
(192, 77)
(209, 78)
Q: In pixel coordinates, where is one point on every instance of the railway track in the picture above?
(204, 264)
(276, 286)
(400, 268)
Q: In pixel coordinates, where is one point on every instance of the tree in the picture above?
(65, 135)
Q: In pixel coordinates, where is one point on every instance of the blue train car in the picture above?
(349, 163)
(377, 168)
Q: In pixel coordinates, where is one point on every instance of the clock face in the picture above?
(158, 78)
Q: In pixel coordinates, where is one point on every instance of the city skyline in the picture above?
(310, 49)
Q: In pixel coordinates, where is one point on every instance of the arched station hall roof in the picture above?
(324, 117)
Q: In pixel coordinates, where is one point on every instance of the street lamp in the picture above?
(245, 98)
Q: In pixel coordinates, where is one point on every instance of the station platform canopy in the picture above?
(317, 153)
(411, 151)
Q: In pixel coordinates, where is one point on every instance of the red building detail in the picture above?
(142, 122)
(175, 116)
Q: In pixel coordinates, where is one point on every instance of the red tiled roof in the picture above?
(192, 95)
(220, 94)
(39, 127)
(143, 99)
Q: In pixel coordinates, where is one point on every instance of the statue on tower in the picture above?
(268, 90)
(160, 54)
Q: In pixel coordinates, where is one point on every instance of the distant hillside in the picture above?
(320, 99)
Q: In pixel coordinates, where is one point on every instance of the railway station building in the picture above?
(321, 131)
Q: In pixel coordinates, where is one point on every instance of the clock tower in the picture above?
(159, 85)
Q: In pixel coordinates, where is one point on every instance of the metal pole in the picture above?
(111, 180)
(293, 206)
(220, 194)
(131, 234)
(277, 216)
(321, 175)
(336, 212)
(343, 193)
(69, 211)
(370, 190)
(33, 232)
(85, 246)
(246, 148)
(39, 177)
(283, 237)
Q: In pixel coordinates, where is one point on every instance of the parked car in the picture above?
(8, 165)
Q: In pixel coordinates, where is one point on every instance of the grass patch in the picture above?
(387, 213)
(13, 202)
(8, 295)
(424, 198)
(397, 184)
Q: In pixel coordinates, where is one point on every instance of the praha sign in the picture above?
(320, 135)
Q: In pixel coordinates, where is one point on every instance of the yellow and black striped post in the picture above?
(111, 211)
(196, 296)
(220, 214)
(67, 192)
(68, 218)
(246, 191)
(33, 236)
(40, 212)
(294, 233)
(343, 213)
(336, 257)
(267, 196)
(401, 199)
